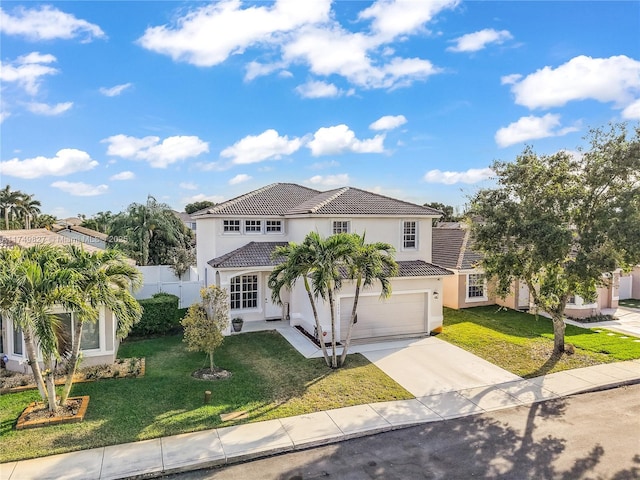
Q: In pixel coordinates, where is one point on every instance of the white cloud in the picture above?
(391, 18)
(126, 175)
(472, 42)
(340, 138)
(80, 189)
(27, 71)
(149, 149)
(339, 180)
(473, 175)
(115, 90)
(328, 51)
(318, 89)
(269, 145)
(240, 178)
(200, 197)
(614, 79)
(66, 161)
(49, 110)
(47, 23)
(188, 185)
(388, 122)
(530, 128)
(207, 35)
(632, 111)
(4, 115)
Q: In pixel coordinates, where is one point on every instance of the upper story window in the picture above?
(244, 292)
(476, 287)
(273, 226)
(253, 226)
(341, 226)
(409, 234)
(231, 226)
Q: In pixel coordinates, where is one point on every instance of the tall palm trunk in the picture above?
(50, 381)
(334, 354)
(73, 359)
(352, 320)
(32, 357)
(317, 320)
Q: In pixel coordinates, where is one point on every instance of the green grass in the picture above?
(522, 343)
(630, 302)
(270, 380)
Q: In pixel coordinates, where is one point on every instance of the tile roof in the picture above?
(253, 254)
(258, 254)
(275, 199)
(453, 248)
(288, 199)
(38, 236)
(84, 231)
(420, 268)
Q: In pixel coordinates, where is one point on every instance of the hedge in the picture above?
(161, 316)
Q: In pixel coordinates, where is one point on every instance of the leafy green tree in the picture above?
(560, 222)
(197, 206)
(100, 222)
(367, 264)
(447, 210)
(28, 209)
(102, 279)
(44, 221)
(180, 259)
(205, 322)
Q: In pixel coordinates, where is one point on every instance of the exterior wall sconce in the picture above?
(435, 295)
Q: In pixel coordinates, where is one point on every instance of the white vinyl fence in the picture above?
(160, 278)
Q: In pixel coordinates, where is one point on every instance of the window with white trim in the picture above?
(476, 286)
(17, 341)
(341, 226)
(273, 226)
(253, 226)
(231, 226)
(409, 234)
(244, 292)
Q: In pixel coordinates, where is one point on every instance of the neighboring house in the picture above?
(236, 238)
(83, 235)
(189, 222)
(99, 343)
(453, 249)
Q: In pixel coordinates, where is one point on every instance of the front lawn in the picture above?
(270, 380)
(630, 302)
(522, 343)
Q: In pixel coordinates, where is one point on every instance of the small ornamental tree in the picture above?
(204, 323)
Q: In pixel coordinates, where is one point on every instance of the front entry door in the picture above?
(271, 310)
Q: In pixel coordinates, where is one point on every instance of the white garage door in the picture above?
(402, 314)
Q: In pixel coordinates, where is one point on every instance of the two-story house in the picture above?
(236, 238)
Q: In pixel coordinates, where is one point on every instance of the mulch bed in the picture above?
(208, 374)
(313, 339)
(38, 415)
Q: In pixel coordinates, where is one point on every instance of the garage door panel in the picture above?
(402, 314)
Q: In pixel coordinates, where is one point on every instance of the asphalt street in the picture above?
(593, 435)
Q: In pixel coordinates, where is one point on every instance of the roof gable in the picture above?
(453, 248)
(289, 199)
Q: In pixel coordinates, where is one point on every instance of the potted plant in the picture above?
(237, 324)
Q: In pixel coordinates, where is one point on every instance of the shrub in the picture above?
(161, 316)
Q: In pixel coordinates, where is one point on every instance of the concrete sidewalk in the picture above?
(207, 448)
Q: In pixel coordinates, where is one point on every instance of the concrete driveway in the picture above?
(628, 321)
(429, 366)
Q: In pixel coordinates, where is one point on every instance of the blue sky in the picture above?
(105, 102)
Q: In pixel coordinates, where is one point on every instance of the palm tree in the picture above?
(28, 208)
(9, 200)
(368, 262)
(142, 224)
(103, 279)
(318, 260)
(32, 282)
